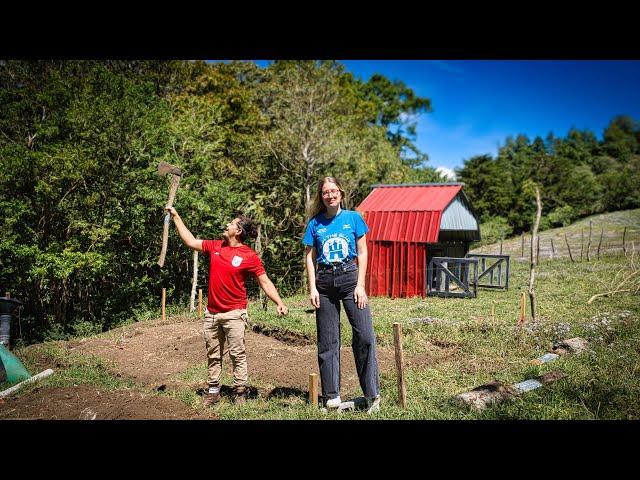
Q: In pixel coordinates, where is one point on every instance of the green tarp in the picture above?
(11, 369)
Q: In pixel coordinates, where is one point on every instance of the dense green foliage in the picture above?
(578, 176)
(82, 204)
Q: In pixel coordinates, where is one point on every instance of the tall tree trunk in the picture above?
(308, 161)
(534, 259)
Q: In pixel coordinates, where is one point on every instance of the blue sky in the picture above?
(478, 103)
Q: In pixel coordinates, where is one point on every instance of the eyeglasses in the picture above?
(328, 193)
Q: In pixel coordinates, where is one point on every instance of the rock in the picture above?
(570, 345)
(88, 414)
(483, 396)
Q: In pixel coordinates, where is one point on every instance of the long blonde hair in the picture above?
(316, 206)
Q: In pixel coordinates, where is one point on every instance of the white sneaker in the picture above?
(373, 404)
(333, 403)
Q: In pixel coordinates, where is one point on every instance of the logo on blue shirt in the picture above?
(335, 249)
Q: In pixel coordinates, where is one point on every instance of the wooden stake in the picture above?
(553, 250)
(199, 303)
(500, 246)
(581, 243)
(600, 242)
(523, 308)
(313, 389)
(164, 299)
(624, 234)
(522, 245)
(194, 281)
(397, 340)
(532, 273)
(568, 247)
(589, 242)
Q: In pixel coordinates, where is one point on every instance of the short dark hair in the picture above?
(249, 229)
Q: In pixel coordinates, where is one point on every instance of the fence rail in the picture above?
(452, 277)
(493, 273)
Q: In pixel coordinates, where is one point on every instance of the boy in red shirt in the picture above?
(230, 264)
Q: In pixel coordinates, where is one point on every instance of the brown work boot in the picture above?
(210, 398)
(241, 395)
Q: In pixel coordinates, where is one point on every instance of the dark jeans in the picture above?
(337, 286)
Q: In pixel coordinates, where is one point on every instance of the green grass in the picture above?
(70, 369)
(466, 348)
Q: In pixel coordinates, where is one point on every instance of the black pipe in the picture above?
(7, 307)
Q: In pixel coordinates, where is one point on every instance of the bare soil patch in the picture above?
(154, 353)
(85, 402)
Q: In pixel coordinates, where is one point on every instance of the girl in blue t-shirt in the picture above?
(335, 238)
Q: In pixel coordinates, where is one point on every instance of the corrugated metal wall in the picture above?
(396, 269)
(457, 216)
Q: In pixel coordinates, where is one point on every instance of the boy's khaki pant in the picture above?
(221, 327)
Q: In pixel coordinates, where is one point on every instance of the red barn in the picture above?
(408, 225)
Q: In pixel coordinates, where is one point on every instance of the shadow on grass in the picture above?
(286, 392)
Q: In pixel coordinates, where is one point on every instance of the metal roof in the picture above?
(398, 198)
(413, 213)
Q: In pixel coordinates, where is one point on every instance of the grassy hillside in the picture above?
(453, 345)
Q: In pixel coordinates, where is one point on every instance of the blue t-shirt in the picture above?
(335, 238)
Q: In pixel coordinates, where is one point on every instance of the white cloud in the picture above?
(447, 172)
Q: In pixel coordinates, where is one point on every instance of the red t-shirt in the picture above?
(229, 267)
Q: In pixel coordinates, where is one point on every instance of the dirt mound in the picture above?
(90, 403)
(154, 352)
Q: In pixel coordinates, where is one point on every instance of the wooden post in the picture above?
(532, 273)
(600, 242)
(568, 247)
(313, 389)
(194, 282)
(523, 308)
(522, 244)
(397, 340)
(589, 242)
(553, 250)
(581, 243)
(500, 245)
(199, 303)
(624, 235)
(164, 299)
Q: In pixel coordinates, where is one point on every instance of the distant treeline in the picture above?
(578, 176)
(82, 205)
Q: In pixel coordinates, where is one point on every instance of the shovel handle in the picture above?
(167, 219)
